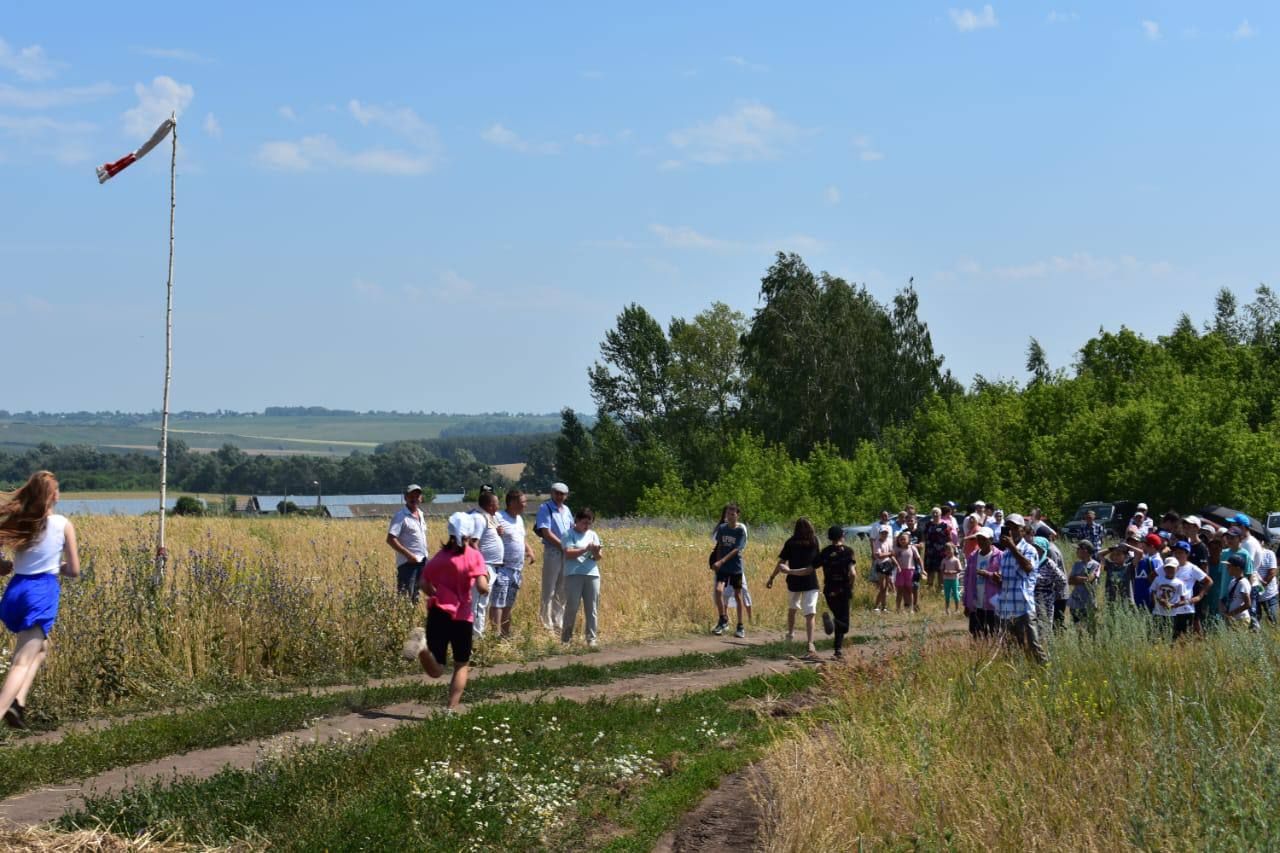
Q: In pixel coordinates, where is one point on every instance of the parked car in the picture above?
(860, 531)
(1273, 525)
(1112, 515)
(1224, 514)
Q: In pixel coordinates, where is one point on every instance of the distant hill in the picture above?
(280, 430)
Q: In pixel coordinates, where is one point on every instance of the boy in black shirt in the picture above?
(839, 571)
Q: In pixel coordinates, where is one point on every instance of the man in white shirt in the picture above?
(490, 546)
(407, 536)
(516, 554)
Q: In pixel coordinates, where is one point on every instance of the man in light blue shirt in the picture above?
(1016, 604)
(553, 522)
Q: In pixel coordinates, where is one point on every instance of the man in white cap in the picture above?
(553, 522)
(1016, 603)
(407, 536)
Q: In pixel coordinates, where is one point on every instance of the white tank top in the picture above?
(44, 556)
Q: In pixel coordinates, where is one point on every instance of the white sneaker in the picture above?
(416, 643)
(790, 637)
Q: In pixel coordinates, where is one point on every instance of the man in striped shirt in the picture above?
(1016, 604)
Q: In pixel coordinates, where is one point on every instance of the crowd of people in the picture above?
(473, 580)
(1005, 573)
(1009, 577)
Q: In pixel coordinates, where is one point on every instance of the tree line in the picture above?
(786, 412)
(229, 470)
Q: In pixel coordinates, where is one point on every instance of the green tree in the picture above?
(633, 384)
(1037, 361)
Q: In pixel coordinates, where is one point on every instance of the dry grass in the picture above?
(252, 602)
(1121, 744)
(36, 839)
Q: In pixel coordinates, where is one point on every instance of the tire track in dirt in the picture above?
(50, 802)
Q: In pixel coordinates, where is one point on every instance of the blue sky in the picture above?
(403, 206)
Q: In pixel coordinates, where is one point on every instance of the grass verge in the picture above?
(509, 776)
(1124, 742)
(82, 754)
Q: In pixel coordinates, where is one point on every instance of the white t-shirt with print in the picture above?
(1166, 593)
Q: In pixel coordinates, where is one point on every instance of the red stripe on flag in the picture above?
(110, 170)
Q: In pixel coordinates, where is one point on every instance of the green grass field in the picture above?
(320, 435)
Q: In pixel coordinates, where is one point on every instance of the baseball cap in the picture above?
(1170, 563)
(1183, 544)
(1084, 545)
(1142, 507)
(560, 487)
(951, 504)
(980, 533)
(1015, 519)
(980, 503)
(1192, 519)
(1235, 530)
(1241, 519)
(1152, 540)
(462, 526)
(411, 488)
(1236, 560)
(884, 529)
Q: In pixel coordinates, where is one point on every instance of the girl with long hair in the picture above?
(42, 545)
(797, 560)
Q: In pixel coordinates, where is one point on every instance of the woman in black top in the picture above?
(796, 560)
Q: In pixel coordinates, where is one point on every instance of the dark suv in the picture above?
(1112, 515)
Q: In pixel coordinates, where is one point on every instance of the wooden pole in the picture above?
(161, 553)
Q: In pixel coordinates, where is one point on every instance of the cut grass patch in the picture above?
(510, 776)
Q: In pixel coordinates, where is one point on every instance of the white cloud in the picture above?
(504, 137)
(1079, 264)
(367, 288)
(591, 140)
(399, 120)
(319, 152)
(832, 194)
(1056, 17)
(175, 53)
(751, 132)
(42, 99)
(967, 20)
(155, 102)
(42, 136)
(29, 63)
(286, 112)
(684, 237)
(453, 288)
(670, 165)
(743, 63)
(1245, 30)
(1151, 29)
(867, 151)
(211, 125)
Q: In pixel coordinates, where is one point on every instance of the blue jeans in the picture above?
(407, 579)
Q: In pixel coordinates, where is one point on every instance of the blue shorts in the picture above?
(31, 601)
(506, 584)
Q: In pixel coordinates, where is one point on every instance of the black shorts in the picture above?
(445, 632)
(733, 579)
